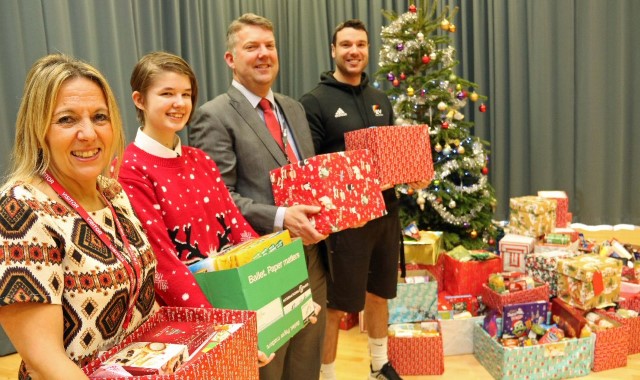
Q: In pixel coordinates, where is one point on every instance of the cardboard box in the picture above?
(402, 154)
(424, 251)
(344, 184)
(276, 286)
(417, 355)
(457, 335)
(531, 216)
(348, 320)
(542, 267)
(589, 281)
(414, 302)
(513, 249)
(611, 346)
(234, 358)
(559, 360)
(562, 206)
(497, 301)
(467, 277)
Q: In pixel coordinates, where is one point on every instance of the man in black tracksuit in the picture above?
(363, 261)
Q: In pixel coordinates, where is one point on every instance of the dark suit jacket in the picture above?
(230, 130)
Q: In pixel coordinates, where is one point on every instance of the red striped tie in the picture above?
(274, 127)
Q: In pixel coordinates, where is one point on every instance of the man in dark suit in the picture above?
(232, 129)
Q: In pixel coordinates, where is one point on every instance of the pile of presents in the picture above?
(549, 304)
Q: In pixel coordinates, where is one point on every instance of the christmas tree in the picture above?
(419, 63)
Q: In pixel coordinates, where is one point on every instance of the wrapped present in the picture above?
(517, 319)
(497, 301)
(457, 335)
(426, 250)
(562, 206)
(542, 267)
(589, 281)
(612, 342)
(348, 320)
(415, 301)
(233, 358)
(559, 360)
(402, 154)
(542, 246)
(467, 277)
(531, 216)
(149, 358)
(630, 319)
(417, 355)
(344, 184)
(513, 249)
(276, 286)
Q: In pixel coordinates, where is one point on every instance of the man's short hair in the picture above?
(352, 23)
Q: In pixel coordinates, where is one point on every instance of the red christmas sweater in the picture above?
(187, 213)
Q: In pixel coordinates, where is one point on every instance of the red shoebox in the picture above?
(344, 184)
(417, 355)
(234, 358)
(610, 350)
(348, 320)
(496, 301)
(467, 277)
(402, 154)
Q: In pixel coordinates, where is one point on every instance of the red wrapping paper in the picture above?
(469, 276)
(417, 355)
(234, 358)
(344, 184)
(402, 154)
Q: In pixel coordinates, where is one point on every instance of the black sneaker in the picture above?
(387, 372)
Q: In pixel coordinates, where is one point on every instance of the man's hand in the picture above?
(419, 185)
(316, 311)
(263, 360)
(296, 220)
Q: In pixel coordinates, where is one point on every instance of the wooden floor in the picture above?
(353, 362)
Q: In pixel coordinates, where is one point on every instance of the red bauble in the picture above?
(403, 76)
(426, 59)
(412, 8)
(482, 108)
(396, 82)
(485, 170)
(492, 242)
(445, 125)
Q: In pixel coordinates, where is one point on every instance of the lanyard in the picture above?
(133, 269)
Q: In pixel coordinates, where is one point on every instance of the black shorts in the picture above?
(364, 260)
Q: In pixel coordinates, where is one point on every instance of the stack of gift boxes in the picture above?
(549, 305)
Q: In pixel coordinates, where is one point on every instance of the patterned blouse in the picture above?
(51, 255)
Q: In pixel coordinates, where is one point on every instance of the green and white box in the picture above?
(276, 286)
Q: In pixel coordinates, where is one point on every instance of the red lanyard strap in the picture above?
(133, 268)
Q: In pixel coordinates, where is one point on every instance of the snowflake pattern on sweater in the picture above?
(188, 215)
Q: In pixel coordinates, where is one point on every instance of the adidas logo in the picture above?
(340, 113)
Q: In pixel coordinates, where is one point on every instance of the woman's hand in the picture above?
(263, 360)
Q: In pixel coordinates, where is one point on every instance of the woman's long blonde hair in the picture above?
(31, 155)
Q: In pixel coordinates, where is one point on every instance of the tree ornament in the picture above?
(403, 76)
(438, 148)
(433, 56)
(426, 59)
(452, 204)
(458, 87)
(436, 182)
(400, 47)
(439, 199)
(446, 150)
(456, 142)
(413, 8)
(452, 28)
(376, 84)
(485, 170)
(460, 95)
(445, 125)
(420, 36)
(444, 24)
(423, 92)
(491, 241)
(410, 91)
(442, 106)
(473, 234)
(461, 149)
(474, 96)
(396, 82)
(410, 191)
(482, 108)
(391, 77)
(452, 77)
